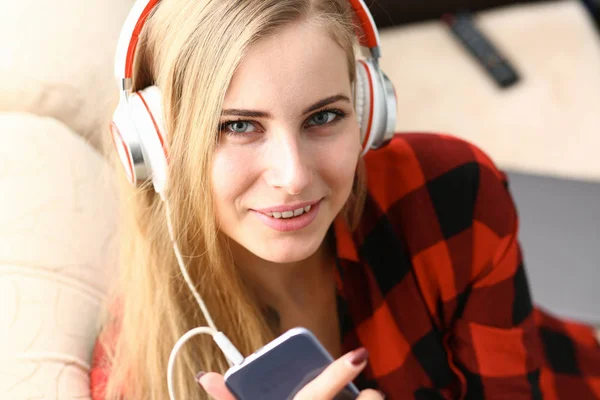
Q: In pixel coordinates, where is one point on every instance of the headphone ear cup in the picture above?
(146, 114)
(365, 102)
(361, 99)
(375, 105)
(127, 143)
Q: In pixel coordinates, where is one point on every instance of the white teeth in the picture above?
(289, 214)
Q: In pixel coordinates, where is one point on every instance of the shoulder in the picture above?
(445, 207)
(433, 187)
(412, 160)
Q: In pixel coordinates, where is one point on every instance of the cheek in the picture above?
(219, 178)
(340, 161)
(229, 178)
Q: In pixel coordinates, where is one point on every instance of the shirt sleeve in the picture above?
(493, 343)
(101, 363)
(99, 372)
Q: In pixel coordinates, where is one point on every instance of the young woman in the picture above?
(408, 255)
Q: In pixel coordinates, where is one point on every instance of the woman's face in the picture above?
(289, 139)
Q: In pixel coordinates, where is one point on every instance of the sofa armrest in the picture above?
(57, 215)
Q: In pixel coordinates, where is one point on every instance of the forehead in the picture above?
(299, 63)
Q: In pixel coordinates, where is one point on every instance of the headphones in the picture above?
(137, 128)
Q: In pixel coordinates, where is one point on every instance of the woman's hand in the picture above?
(324, 387)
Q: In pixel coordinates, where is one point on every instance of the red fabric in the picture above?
(98, 373)
(433, 284)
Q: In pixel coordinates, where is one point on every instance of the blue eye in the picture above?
(238, 127)
(324, 117)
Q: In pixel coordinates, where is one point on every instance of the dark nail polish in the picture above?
(199, 375)
(359, 356)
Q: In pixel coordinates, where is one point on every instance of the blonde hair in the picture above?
(190, 49)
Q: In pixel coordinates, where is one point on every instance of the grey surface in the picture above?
(560, 237)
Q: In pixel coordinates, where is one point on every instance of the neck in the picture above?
(282, 286)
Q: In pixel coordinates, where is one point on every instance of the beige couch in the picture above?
(58, 209)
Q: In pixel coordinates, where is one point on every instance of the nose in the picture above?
(290, 163)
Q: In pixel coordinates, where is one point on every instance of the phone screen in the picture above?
(283, 367)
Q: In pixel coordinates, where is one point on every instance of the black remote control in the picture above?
(593, 7)
(464, 29)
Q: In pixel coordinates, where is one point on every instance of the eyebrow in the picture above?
(262, 114)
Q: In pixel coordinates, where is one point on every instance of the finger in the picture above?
(337, 375)
(370, 394)
(214, 384)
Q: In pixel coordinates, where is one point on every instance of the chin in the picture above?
(286, 254)
(288, 249)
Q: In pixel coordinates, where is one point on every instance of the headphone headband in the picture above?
(128, 39)
(370, 34)
(138, 126)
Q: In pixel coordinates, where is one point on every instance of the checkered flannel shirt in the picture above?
(432, 283)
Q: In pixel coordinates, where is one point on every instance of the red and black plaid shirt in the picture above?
(432, 283)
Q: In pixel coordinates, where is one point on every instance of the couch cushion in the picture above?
(57, 214)
(56, 59)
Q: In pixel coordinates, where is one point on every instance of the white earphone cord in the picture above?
(233, 356)
(183, 269)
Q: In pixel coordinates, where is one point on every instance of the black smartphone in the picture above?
(281, 368)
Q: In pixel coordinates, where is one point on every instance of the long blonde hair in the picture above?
(190, 49)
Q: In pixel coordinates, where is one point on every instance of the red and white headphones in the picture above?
(138, 129)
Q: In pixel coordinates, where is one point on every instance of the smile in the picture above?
(289, 221)
(289, 214)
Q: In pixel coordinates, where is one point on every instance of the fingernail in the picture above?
(359, 356)
(198, 376)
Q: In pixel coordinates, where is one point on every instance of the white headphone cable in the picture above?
(232, 354)
(183, 269)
